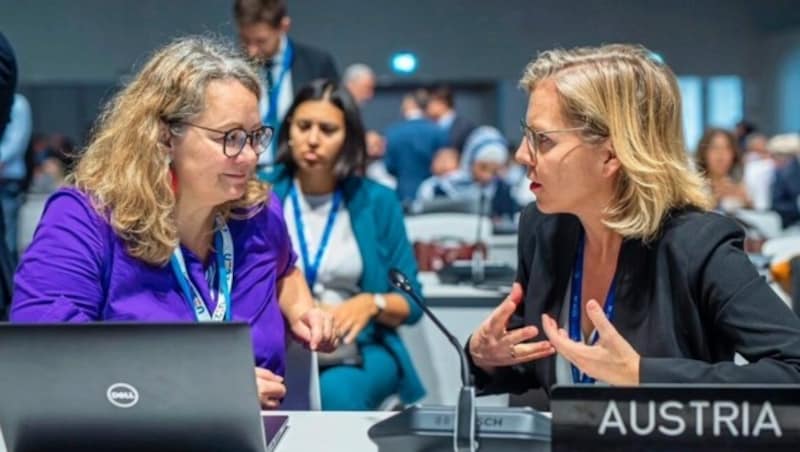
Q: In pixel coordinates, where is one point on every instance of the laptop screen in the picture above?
(129, 386)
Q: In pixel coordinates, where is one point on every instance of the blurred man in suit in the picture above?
(360, 81)
(8, 85)
(285, 65)
(411, 145)
(786, 186)
(8, 81)
(441, 108)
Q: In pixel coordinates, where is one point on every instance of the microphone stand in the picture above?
(442, 429)
(465, 416)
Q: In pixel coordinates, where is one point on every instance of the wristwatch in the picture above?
(380, 302)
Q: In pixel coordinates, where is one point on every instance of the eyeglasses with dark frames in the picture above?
(234, 140)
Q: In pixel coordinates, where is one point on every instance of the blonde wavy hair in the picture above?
(621, 93)
(125, 168)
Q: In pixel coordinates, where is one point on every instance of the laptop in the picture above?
(131, 387)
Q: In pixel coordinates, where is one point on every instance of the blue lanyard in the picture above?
(311, 268)
(575, 309)
(224, 268)
(271, 117)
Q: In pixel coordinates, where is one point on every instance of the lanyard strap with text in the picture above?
(271, 117)
(224, 250)
(575, 309)
(311, 268)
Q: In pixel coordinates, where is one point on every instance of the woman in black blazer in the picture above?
(624, 276)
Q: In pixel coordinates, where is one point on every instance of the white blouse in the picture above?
(341, 268)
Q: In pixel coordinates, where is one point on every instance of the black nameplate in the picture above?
(692, 417)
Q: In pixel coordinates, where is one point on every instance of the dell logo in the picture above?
(122, 395)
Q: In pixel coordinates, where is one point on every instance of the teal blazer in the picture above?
(377, 220)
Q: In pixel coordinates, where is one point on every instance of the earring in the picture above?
(173, 179)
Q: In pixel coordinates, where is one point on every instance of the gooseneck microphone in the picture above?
(464, 432)
(465, 428)
(400, 281)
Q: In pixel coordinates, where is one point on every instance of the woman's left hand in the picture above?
(612, 359)
(350, 317)
(315, 328)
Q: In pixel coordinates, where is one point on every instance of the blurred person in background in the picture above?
(411, 145)
(759, 171)
(13, 146)
(285, 65)
(741, 131)
(479, 179)
(719, 159)
(359, 80)
(786, 187)
(8, 87)
(441, 108)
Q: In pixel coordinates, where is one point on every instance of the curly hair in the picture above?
(125, 169)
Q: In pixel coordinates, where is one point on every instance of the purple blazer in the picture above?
(78, 270)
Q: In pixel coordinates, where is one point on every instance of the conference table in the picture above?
(343, 431)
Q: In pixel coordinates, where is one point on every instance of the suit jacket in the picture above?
(686, 302)
(459, 131)
(410, 147)
(8, 81)
(785, 190)
(310, 63)
(377, 221)
(8, 85)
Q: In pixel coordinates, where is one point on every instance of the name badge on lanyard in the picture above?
(224, 266)
(575, 309)
(312, 268)
(271, 116)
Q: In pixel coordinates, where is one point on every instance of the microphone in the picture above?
(464, 432)
(465, 428)
(400, 281)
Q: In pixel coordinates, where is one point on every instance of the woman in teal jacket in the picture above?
(349, 232)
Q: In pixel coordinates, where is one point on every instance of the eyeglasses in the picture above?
(539, 142)
(233, 140)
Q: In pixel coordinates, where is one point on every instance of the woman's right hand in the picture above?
(492, 346)
(270, 388)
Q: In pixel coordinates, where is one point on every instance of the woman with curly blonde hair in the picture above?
(622, 267)
(164, 220)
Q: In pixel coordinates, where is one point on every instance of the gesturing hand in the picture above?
(612, 359)
(493, 346)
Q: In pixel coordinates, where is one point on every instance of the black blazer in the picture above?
(686, 302)
(309, 64)
(8, 81)
(785, 190)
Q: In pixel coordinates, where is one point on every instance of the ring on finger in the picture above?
(512, 352)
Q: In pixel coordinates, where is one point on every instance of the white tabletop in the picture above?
(341, 431)
(344, 431)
